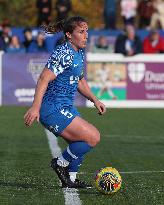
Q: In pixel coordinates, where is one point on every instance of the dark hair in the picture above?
(154, 31)
(28, 29)
(67, 25)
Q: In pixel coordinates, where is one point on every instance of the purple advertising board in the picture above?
(134, 80)
(145, 81)
(20, 73)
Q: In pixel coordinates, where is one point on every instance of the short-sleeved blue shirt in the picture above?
(67, 65)
(57, 110)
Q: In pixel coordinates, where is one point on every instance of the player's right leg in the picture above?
(81, 130)
(83, 136)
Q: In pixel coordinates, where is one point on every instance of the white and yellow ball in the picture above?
(107, 180)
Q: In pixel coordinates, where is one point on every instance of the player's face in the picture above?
(78, 38)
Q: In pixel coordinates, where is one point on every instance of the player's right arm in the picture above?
(33, 113)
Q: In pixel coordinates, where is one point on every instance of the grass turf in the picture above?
(132, 140)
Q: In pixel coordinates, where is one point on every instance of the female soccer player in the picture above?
(54, 96)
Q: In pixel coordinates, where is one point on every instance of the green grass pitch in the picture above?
(132, 141)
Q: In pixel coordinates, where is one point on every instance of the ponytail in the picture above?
(54, 27)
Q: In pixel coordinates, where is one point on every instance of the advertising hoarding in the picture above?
(120, 81)
(20, 73)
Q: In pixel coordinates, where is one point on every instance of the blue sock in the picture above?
(76, 150)
(75, 164)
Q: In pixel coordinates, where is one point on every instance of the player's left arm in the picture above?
(84, 89)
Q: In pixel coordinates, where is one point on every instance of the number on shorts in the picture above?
(66, 113)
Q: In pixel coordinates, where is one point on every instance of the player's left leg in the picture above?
(74, 166)
(111, 94)
(110, 91)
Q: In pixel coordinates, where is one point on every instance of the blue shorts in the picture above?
(56, 118)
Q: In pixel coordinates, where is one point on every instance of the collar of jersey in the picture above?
(73, 50)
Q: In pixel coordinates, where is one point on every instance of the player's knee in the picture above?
(95, 138)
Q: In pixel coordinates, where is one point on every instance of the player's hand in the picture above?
(31, 115)
(100, 106)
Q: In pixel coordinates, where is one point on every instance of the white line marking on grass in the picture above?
(137, 136)
(130, 172)
(71, 195)
(138, 172)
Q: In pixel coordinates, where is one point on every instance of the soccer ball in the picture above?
(107, 180)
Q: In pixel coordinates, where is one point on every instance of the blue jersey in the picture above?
(67, 65)
(57, 110)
